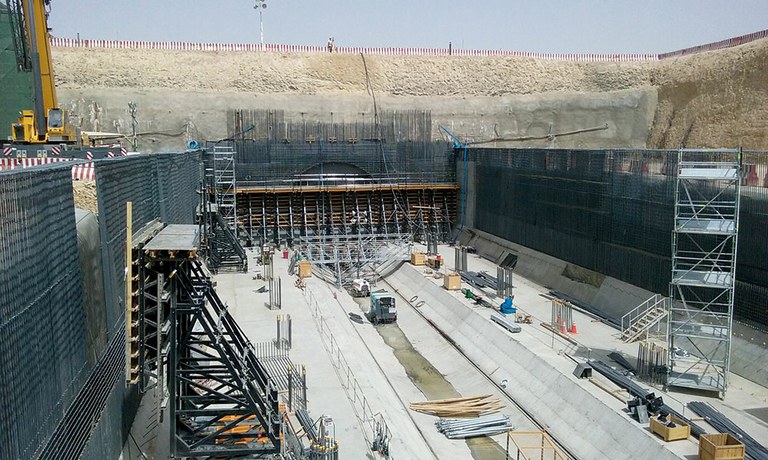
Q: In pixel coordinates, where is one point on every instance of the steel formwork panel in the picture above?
(42, 324)
(288, 214)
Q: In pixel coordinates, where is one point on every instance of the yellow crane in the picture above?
(46, 123)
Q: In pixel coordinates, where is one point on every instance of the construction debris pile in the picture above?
(471, 406)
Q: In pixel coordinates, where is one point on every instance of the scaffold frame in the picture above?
(704, 244)
(225, 183)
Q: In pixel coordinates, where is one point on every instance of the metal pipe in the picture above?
(290, 336)
(723, 424)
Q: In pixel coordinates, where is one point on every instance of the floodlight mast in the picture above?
(261, 5)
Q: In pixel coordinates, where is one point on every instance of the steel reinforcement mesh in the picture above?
(179, 178)
(42, 326)
(266, 164)
(52, 406)
(612, 211)
(273, 126)
(160, 186)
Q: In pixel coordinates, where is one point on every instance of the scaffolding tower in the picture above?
(224, 183)
(221, 399)
(704, 241)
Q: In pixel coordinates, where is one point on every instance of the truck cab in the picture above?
(383, 309)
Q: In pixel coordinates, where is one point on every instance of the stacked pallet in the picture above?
(472, 406)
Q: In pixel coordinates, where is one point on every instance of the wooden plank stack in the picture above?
(472, 406)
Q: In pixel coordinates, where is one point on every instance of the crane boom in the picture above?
(40, 54)
(46, 122)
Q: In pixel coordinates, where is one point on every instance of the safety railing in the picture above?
(379, 435)
(631, 318)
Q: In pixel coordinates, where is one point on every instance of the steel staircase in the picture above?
(642, 318)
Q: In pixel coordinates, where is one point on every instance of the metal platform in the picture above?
(697, 381)
(705, 226)
(176, 237)
(702, 278)
(729, 173)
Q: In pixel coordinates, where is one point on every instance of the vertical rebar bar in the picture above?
(290, 388)
(278, 326)
(290, 336)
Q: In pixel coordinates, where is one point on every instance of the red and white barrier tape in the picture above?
(234, 47)
(81, 171)
(250, 47)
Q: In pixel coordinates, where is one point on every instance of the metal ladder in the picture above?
(224, 182)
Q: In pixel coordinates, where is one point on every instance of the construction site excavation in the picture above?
(213, 250)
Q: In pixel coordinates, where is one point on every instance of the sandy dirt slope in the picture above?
(719, 98)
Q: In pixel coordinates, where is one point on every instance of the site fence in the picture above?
(612, 211)
(399, 51)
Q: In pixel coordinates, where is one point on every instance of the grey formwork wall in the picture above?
(611, 211)
(55, 405)
(160, 186)
(42, 327)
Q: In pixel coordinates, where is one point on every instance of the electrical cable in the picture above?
(379, 140)
(143, 455)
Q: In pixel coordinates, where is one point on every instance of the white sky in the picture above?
(557, 26)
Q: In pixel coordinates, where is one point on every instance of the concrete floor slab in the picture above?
(597, 340)
(349, 362)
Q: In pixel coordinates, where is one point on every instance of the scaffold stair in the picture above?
(643, 317)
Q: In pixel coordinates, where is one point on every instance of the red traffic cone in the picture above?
(563, 329)
(573, 328)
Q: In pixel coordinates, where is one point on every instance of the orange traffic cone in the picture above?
(563, 329)
(573, 328)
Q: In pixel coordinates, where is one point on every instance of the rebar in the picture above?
(723, 424)
(487, 425)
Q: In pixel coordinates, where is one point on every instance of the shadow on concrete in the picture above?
(354, 317)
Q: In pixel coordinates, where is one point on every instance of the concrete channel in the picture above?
(429, 380)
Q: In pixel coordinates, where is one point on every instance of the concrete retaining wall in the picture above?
(613, 297)
(749, 354)
(584, 424)
(168, 117)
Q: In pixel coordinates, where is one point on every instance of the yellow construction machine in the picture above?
(46, 123)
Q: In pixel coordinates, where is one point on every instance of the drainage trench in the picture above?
(429, 380)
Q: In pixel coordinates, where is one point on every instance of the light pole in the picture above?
(260, 5)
